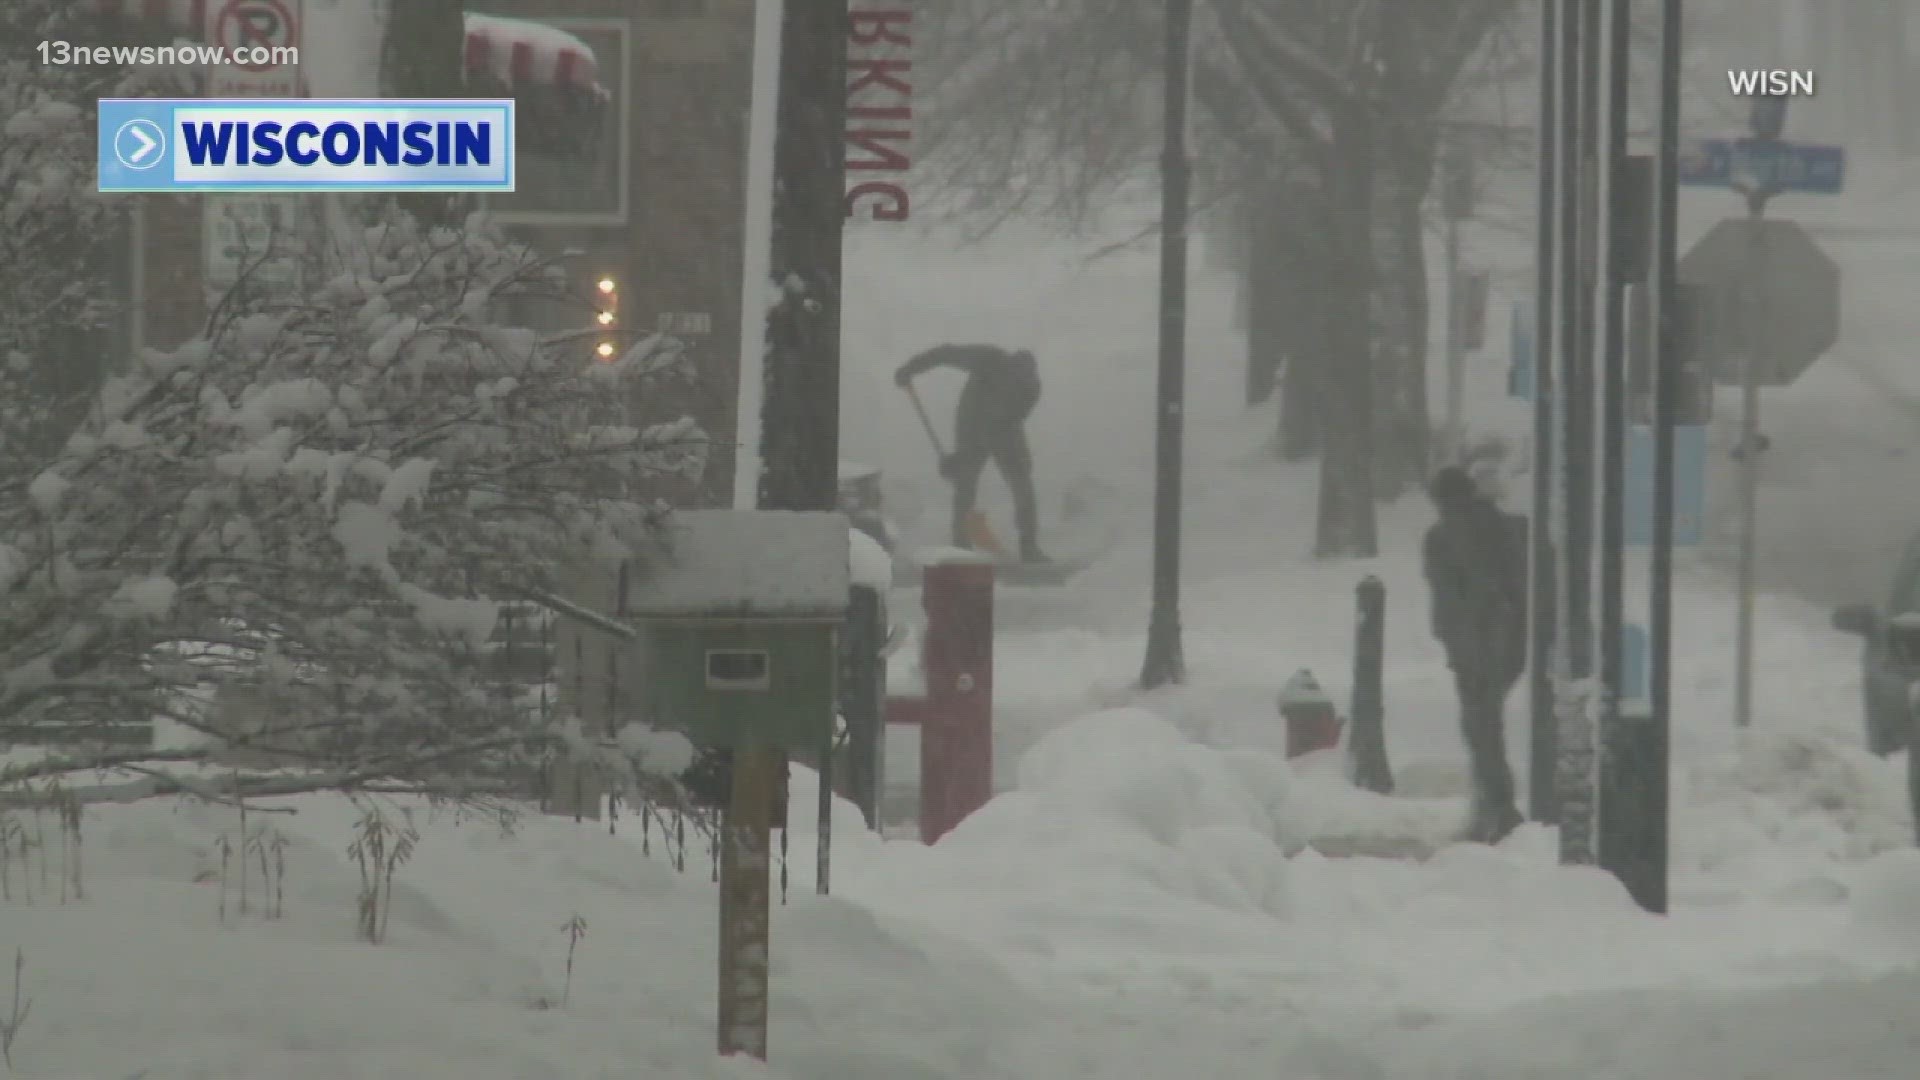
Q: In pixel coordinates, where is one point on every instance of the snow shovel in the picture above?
(978, 532)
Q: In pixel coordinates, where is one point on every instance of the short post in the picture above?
(956, 727)
(863, 694)
(1313, 723)
(746, 899)
(1367, 747)
(1633, 785)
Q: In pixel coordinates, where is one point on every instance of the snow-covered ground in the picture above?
(1136, 904)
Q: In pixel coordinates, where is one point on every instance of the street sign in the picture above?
(1473, 309)
(1689, 485)
(1634, 681)
(1456, 183)
(1770, 291)
(253, 235)
(1521, 355)
(1768, 164)
(1694, 381)
(260, 27)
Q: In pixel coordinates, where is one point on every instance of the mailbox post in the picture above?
(740, 613)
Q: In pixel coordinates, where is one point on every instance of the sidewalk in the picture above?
(1064, 652)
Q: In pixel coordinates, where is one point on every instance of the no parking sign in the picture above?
(253, 235)
(262, 39)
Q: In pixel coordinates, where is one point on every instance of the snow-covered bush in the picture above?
(319, 502)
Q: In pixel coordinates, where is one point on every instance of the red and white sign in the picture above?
(520, 52)
(253, 235)
(264, 33)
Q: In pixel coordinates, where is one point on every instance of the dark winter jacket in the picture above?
(1003, 386)
(1476, 569)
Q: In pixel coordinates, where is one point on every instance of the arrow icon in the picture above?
(139, 144)
(148, 144)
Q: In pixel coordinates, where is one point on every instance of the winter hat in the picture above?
(1453, 489)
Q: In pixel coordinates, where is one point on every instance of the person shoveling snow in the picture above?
(1003, 386)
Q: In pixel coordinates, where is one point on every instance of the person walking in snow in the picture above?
(1002, 388)
(1476, 568)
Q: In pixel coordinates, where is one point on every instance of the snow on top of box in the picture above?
(871, 565)
(854, 470)
(944, 556)
(767, 563)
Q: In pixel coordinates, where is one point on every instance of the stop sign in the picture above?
(1769, 292)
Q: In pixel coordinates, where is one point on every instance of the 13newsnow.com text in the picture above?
(259, 57)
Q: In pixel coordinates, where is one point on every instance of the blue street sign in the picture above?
(1634, 684)
(1521, 355)
(1767, 163)
(1689, 484)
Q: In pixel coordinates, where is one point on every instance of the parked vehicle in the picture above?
(1890, 667)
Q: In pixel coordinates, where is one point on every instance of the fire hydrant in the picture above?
(1312, 721)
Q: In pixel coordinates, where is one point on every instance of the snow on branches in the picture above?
(314, 508)
(56, 233)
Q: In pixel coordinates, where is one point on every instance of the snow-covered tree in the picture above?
(54, 229)
(292, 532)
(319, 503)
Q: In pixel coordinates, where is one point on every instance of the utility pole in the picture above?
(1544, 749)
(423, 55)
(797, 466)
(800, 415)
(1456, 199)
(1165, 660)
(1613, 248)
(1662, 275)
(1574, 787)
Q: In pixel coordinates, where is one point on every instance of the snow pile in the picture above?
(470, 981)
(1776, 806)
(1886, 891)
(1122, 795)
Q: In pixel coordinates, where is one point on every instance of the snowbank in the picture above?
(1886, 892)
(143, 975)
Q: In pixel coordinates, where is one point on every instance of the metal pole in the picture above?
(1749, 481)
(1367, 744)
(1456, 358)
(1661, 293)
(1628, 834)
(1165, 660)
(1544, 750)
(1613, 390)
(1574, 770)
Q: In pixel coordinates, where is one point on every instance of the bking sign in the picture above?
(879, 113)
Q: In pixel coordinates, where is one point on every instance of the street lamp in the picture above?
(1165, 662)
(609, 305)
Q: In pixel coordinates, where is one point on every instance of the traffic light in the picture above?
(607, 292)
(1633, 217)
(1692, 309)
